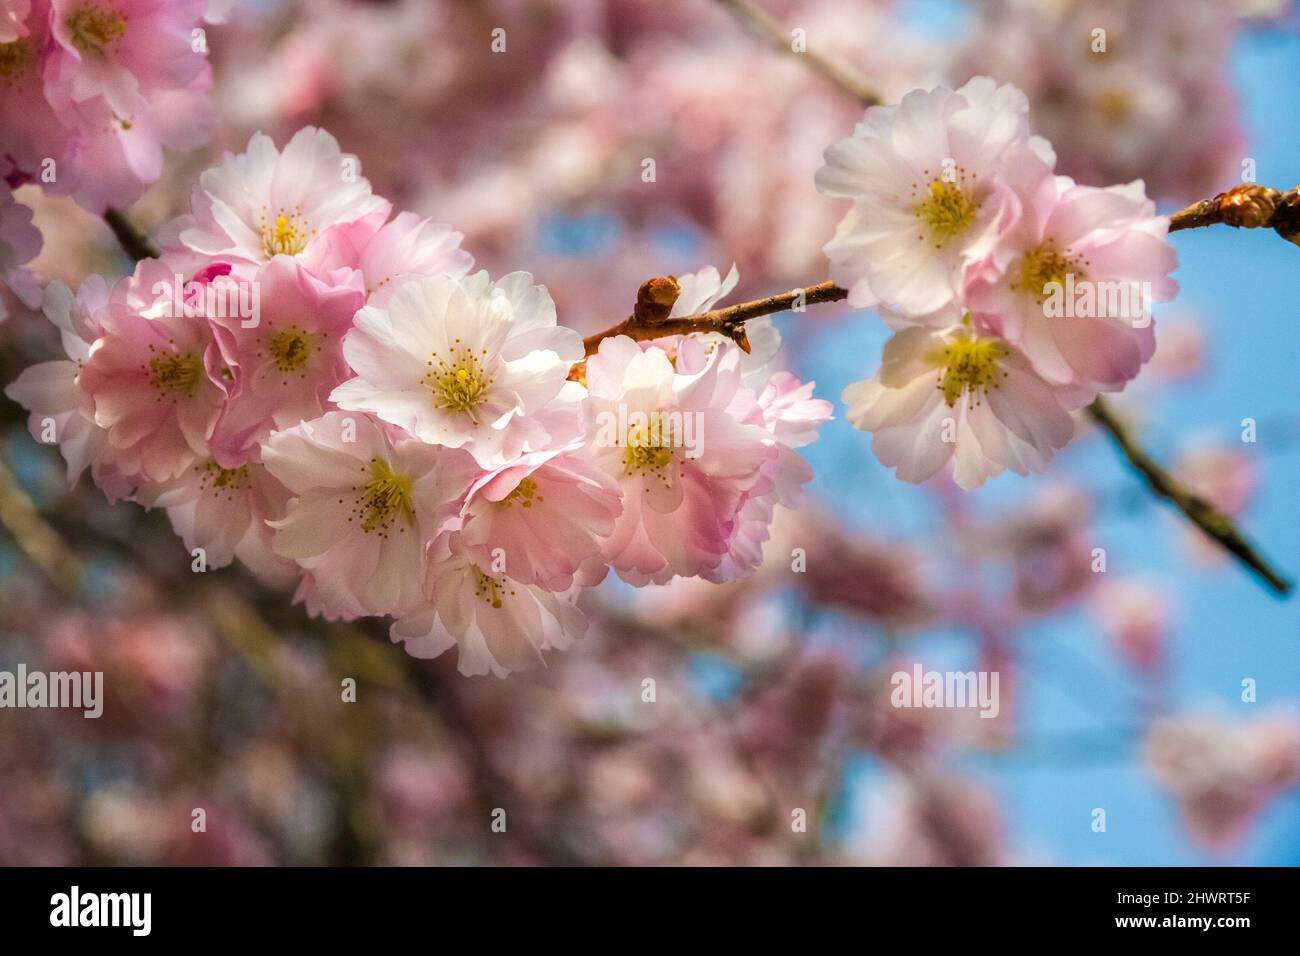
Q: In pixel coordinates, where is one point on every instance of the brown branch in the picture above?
(1245, 206)
(1215, 525)
(729, 321)
(768, 29)
(131, 238)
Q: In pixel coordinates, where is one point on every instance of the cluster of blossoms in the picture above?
(328, 394)
(92, 90)
(1016, 295)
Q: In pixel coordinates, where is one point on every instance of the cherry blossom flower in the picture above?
(264, 202)
(500, 625)
(122, 50)
(115, 158)
(224, 511)
(684, 462)
(30, 133)
(50, 392)
(156, 383)
(929, 180)
(405, 247)
(286, 359)
(1077, 294)
(464, 363)
(541, 519)
(958, 395)
(366, 504)
(786, 409)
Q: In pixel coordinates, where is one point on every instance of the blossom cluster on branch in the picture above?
(328, 394)
(1017, 295)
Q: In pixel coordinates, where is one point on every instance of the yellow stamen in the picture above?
(384, 498)
(178, 374)
(968, 365)
(947, 210)
(14, 59)
(291, 348)
(93, 28)
(1041, 266)
(288, 234)
(461, 383)
(525, 492)
(492, 590)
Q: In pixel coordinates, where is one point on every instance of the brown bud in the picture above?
(1286, 220)
(1248, 205)
(655, 299)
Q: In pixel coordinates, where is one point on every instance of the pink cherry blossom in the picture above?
(684, 462)
(786, 408)
(500, 625)
(30, 131)
(60, 410)
(541, 519)
(264, 202)
(122, 50)
(406, 247)
(465, 363)
(156, 384)
(929, 184)
(962, 396)
(286, 359)
(225, 512)
(366, 504)
(1108, 243)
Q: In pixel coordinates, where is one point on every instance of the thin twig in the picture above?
(1216, 525)
(729, 321)
(764, 26)
(1245, 206)
(132, 239)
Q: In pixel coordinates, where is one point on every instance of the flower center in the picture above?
(490, 589)
(646, 448)
(93, 28)
(178, 374)
(947, 209)
(14, 58)
(525, 493)
(288, 234)
(1041, 266)
(384, 498)
(291, 348)
(222, 480)
(458, 382)
(968, 364)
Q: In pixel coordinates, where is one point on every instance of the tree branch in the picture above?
(764, 26)
(1215, 525)
(133, 241)
(1245, 206)
(730, 321)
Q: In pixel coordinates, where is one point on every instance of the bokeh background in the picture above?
(1120, 690)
